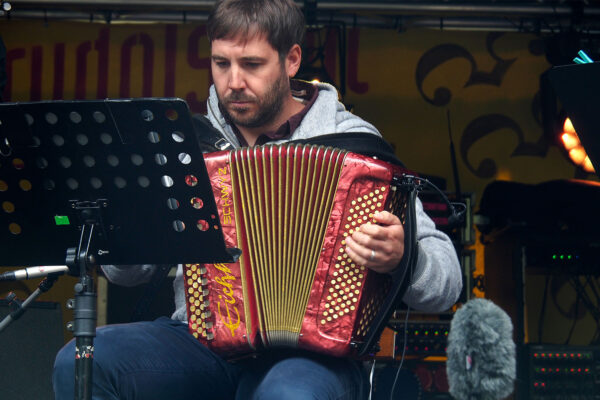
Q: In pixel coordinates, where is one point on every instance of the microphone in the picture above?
(33, 272)
(481, 362)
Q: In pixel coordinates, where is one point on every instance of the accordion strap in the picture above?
(402, 275)
(364, 143)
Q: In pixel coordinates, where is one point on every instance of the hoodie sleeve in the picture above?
(129, 275)
(437, 278)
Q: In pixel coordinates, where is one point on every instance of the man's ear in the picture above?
(293, 60)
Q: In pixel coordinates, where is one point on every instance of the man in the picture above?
(255, 50)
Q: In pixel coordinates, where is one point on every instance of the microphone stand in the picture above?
(20, 307)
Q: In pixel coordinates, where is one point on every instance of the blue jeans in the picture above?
(161, 360)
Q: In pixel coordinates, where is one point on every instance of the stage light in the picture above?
(572, 145)
(6, 6)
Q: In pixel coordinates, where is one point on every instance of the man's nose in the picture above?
(236, 79)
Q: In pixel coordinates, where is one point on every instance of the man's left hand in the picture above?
(378, 246)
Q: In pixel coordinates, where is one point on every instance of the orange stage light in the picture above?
(573, 146)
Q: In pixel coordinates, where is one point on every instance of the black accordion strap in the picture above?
(209, 139)
(364, 143)
(150, 291)
(402, 275)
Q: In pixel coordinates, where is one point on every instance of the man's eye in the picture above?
(252, 65)
(222, 64)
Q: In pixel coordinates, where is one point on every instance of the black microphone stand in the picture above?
(18, 308)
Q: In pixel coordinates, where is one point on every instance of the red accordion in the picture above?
(289, 209)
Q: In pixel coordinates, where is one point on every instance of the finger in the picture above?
(384, 233)
(362, 251)
(358, 254)
(378, 241)
(386, 218)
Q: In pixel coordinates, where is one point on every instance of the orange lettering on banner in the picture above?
(59, 71)
(35, 91)
(102, 45)
(11, 56)
(195, 61)
(147, 64)
(170, 57)
(353, 83)
(81, 68)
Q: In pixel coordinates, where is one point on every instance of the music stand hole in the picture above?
(3, 186)
(82, 139)
(72, 184)
(178, 136)
(147, 115)
(185, 158)
(166, 181)
(25, 185)
(5, 148)
(49, 184)
(171, 114)
(202, 225)
(120, 182)
(35, 141)
(106, 138)
(191, 180)
(96, 183)
(65, 162)
(143, 181)
(172, 203)
(15, 229)
(137, 159)
(29, 119)
(197, 203)
(58, 140)
(89, 161)
(178, 225)
(153, 137)
(8, 207)
(160, 159)
(75, 117)
(51, 118)
(112, 160)
(18, 164)
(99, 116)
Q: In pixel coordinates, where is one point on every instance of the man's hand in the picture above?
(378, 247)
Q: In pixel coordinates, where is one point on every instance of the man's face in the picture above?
(250, 80)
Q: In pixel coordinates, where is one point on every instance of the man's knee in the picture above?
(285, 389)
(65, 359)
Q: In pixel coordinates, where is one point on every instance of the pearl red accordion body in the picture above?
(289, 209)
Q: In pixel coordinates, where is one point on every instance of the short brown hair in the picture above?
(281, 21)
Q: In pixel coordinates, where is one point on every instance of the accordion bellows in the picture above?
(289, 209)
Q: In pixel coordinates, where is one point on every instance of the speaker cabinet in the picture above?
(28, 347)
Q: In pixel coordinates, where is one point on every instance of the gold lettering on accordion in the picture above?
(225, 198)
(229, 300)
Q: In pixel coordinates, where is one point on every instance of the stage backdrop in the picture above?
(403, 82)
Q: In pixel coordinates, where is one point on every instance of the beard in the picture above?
(268, 106)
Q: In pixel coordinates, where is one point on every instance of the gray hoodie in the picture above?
(437, 279)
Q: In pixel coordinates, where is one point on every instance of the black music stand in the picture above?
(578, 89)
(85, 183)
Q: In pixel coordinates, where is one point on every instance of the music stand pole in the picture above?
(85, 313)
